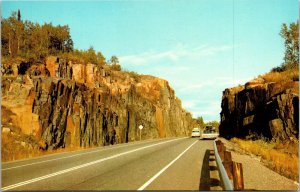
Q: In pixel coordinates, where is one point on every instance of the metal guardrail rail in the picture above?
(226, 183)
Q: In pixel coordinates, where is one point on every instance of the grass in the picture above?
(288, 75)
(282, 157)
(12, 149)
(284, 80)
(115, 67)
(134, 75)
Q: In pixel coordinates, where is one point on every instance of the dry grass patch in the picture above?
(288, 75)
(281, 157)
(16, 147)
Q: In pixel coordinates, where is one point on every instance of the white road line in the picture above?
(102, 149)
(165, 168)
(81, 166)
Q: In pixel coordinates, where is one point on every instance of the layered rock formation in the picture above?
(63, 104)
(261, 109)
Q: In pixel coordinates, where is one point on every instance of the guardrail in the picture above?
(230, 172)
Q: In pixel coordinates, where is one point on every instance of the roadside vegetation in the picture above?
(282, 157)
(20, 146)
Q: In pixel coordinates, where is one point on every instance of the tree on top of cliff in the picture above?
(90, 56)
(101, 58)
(85, 56)
(19, 15)
(290, 34)
(32, 40)
(12, 31)
(114, 60)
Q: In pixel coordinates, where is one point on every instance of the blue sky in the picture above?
(200, 46)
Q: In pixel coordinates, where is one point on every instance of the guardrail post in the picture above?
(228, 164)
(229, 169)
(226, 183)
(238, 179)
(221, 149)
(227, 156)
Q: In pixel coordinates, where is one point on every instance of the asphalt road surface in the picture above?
(163, 164)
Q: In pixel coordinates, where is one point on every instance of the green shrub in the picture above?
(115, 67)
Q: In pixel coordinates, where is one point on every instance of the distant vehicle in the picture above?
(209, 132)
(196, 132)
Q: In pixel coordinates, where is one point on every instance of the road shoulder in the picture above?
(256, 175)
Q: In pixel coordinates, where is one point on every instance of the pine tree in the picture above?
(290, 34)
(19, 15)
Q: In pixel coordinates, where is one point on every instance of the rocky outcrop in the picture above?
(89, 105)
(260, 109)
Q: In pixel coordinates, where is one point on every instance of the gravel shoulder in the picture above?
(256, 175)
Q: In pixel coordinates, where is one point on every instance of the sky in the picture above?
(201, 47)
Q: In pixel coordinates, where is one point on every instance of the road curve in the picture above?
(173, 164)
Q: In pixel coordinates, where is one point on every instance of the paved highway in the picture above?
(173, 164)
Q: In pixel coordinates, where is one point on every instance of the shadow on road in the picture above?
(206, 182)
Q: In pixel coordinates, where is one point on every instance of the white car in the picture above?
(209, 133)
(196, 132)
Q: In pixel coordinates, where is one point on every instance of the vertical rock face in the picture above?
(261, 109)
(18, 97)
(88, 105)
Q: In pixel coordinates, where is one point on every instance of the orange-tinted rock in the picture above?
(160, 122)
(15, 70)
(71, 132)
(79, 73)
(27, 80)
(90, 75)
(52, 65)
(89, 105)
(20, 102)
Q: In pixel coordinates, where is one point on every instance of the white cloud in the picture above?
(208, 109)
(189, 104)
(179, 52)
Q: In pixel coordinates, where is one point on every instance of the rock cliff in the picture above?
(62, 104)
(261, 109)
